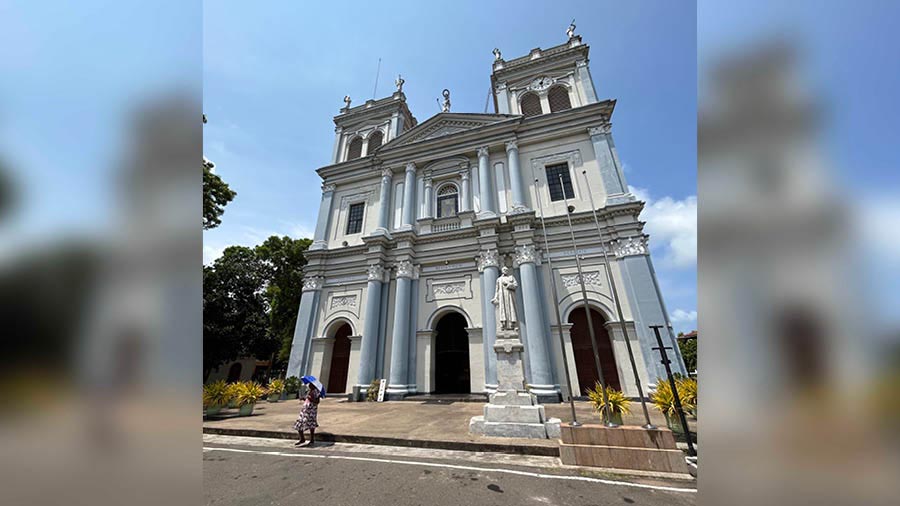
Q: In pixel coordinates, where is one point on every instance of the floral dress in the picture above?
(309, 412)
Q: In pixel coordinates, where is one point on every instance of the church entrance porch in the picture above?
(451, 356)
(583, 351)
(340, 361)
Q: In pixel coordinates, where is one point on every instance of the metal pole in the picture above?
(615, 296)
(676, 398)
(587, 310)
(562, 342)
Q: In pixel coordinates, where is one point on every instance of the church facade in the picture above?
(417, 219)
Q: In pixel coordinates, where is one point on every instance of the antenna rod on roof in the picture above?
(487, 100)
(377, 71)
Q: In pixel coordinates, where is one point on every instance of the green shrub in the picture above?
(617, 400)
(249, 392)
(372, 393)
(292, 385)
(216, 393)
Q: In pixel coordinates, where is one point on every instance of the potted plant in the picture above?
(687, 393)
(664, 401)
(372, 392)
(215, 396)
(618, 403)
(232, 394)
(247, 394)
(275, 388)
(292, 387)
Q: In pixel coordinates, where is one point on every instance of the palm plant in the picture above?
(215, 396)
(618, 403)
(275, 387)
(248, 393)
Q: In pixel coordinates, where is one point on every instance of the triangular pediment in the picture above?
(447, 123)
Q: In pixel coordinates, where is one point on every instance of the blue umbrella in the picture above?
(313, 381)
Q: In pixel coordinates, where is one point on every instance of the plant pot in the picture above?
(673, 423)
(616, 418)
(273, 398)
(232, 404)
(246, 409)
(213, 410)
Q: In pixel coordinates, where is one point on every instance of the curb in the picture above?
(516, 449)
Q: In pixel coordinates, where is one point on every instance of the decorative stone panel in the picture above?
(631, 246)
(591, 278)
(450, 288)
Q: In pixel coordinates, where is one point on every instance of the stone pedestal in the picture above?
(512, 412)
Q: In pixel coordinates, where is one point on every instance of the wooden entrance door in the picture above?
(340, 361)
(584, 353)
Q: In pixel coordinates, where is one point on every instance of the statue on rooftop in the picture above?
(399, 83)
(346, 101)
(446, 105)
(571, 30)
(497, 55)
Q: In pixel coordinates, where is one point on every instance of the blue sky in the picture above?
(274, 77)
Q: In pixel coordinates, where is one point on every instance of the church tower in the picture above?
(543, 81)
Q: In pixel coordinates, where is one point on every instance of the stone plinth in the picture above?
(621, 447)
(512, 412)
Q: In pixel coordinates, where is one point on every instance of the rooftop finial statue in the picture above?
(399, 82)
(446, 105)
(497, 55)
(571, 30)
(505, 300)
(346, 101)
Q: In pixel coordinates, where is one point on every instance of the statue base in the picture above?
(512, 412)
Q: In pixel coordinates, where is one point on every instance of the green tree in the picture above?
(235, 319)
(284, 259)
(216, 195)
(688, 349)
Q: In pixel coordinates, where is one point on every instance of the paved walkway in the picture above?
(428, 421)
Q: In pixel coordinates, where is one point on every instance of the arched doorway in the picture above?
(451, 355)
(584, 352)
(234, 373)
(340, 361)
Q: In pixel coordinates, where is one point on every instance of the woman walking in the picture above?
(309, 412)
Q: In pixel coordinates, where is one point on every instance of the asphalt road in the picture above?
(248, 474)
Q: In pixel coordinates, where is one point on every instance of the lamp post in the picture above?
(615, 296)
(562, 342)
(587, 309)
(675, 397)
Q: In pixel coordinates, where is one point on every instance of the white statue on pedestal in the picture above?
(504, 299)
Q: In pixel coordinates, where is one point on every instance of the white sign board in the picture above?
(381, 386)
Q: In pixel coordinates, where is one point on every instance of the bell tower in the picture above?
(545, 80)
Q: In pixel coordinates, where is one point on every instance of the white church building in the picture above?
(417, 219)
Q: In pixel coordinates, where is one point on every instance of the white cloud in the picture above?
(672, 225)
(211, 253)
(682, 316)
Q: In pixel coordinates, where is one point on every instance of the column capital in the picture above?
(525, 254)
(375, 272)
(483, 151)
(328, 188)
(387, 173)
(600, 130)
(631, 246)
(512, 145)
(312, 283)
(410, 167)
(488, 258)
(405, 269)
(464, 174)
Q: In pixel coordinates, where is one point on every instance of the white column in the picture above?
(465, 197)
(409, 196)
(320, 240)
(429, 198)
(515, 177)
(486, 184)
(384, 206)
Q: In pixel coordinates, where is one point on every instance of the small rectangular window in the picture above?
(556, 189)
(355, 218)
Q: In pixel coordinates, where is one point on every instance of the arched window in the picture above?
(447, 200)
(558, 96)
(530, 105)
(355, 149)
(375, 141)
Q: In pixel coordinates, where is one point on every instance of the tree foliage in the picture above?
(216, 195)
(688, 349)
(250, 301)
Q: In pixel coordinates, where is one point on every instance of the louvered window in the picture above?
(531, 105)
(355, 150)
(559, 99)
(554, 173)
(375, 141)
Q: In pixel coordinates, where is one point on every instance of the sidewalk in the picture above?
(427, 424)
